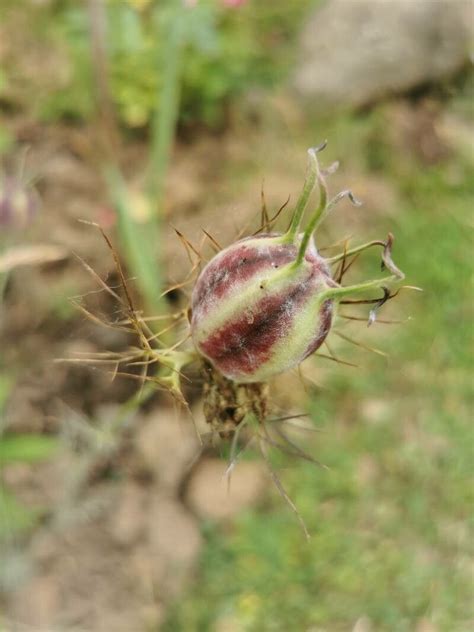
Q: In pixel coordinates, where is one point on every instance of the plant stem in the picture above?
(308, 187)
(139, 241)
(167, 109)
(318, 214)
(341, 292)
(140, 237)
(355, 250)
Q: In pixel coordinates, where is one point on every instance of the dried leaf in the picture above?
(31, 255)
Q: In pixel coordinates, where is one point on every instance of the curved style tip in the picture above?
(353, 199)
(344, 194)
(387, 261)
(319, 147)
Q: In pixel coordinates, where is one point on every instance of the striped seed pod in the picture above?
(256, 313)
(265, 303)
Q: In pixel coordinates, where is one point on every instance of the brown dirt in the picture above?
(119, 537)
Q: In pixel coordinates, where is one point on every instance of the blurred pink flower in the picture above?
(233, 3)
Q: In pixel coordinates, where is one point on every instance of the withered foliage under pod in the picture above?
(227, 404)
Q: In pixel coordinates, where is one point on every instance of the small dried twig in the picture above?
(360, 344)
(215, 243)
(280, 488)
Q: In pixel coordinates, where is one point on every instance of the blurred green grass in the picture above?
(228, 52)
(391, 521)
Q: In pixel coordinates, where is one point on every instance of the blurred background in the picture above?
(145, 115)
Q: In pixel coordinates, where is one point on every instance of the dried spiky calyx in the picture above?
(227, 404)
(265, 303)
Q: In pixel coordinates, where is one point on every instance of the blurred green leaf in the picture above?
(27, 448)
(6, 140)
(14, 517)
(228, 51)
(5, 388)
(139, 239)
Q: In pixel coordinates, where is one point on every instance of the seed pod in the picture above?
(265, 303)
(255, 313)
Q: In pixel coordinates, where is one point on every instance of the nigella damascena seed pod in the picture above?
(256, 313)
(18, 204)
(265, 303)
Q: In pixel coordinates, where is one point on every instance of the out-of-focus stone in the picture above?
(210, 497)
(129, 520)
(174, 545)
(375, 411)
(40, 600)
(84, 582)
(167, 444)
(353, 53)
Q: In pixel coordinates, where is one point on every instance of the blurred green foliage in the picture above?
(15, 517)
(17, 448)
(28, 448)
(223, 57)
(391, 521)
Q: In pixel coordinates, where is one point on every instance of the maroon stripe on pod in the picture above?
(241, 346)
(239, 264)
(324, 326)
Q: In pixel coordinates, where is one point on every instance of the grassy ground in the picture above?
(390, 520)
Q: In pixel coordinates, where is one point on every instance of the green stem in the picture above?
(322, 211)
(167, 108)
(341, 292)
(355, 250)
(316, 218)
(139, 241)
(315, 176)
(308, 187)
(141, 238)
